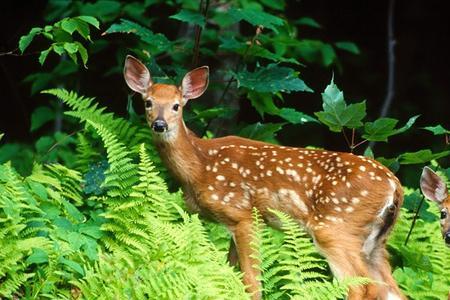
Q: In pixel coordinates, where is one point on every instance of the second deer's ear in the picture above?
(136, 75)
(432, 186)
(195, 83)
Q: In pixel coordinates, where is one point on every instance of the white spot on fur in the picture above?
(364, 193)
(214, 197)
(362, 168)
(210, 187)
(220, 177)
(355, 200)
(349, 209)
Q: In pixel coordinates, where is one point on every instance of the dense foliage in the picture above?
(89, 211)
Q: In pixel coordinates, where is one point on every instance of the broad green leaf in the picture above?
(348, 46)
(158, 41)
(73, 211)
(421, 156)
(437, 130)
(71, 48)
(368, 152)
(272, 79)
(59, 49)
(83, 53)
(40, 116)
(39, 189)
(105, 10)
(263, 103)
(274, 4)
(38, 256)
(336, 113)
(25, 40)
(1, 136)
(295, 117)
(308, 22)
(382, 128)
(72, 265)
(256, 17)
(215, 112)
(69, 25)
(90, 20)
(191, 17)
(43, 144)
(262, 132)
(241, 48)
(43, 55)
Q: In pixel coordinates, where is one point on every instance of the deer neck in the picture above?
(180, 155)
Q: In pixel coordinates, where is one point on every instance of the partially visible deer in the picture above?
(435, 189)
(347, 203)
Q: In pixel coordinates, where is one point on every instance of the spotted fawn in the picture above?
(347, 203)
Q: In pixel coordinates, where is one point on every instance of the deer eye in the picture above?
(443, 214)
(176, 107)
(148, 104)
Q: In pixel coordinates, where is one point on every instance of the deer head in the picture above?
(435, 189)
(164, 103)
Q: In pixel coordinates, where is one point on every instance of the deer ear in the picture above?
(195, 83)
(136, 75)
(432, 186)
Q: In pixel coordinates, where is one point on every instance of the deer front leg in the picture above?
(242, 238)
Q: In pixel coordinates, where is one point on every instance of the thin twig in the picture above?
(359, 144)
(414, 220)
(198, 32)
(63, 140)
(346, 139)
(390, 92)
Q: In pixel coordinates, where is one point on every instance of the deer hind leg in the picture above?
(242, 238)
(380, 265)
(346, 259)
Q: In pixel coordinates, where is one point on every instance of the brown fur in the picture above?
(347, 203)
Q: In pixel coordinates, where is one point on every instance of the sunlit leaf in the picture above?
(336, 113)
(256, 17)
(383, 128)
(421, 156)
(437, 130)
(191, 17)
(348, 46)
(25, 40)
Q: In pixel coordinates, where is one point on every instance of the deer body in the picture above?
(347, 203)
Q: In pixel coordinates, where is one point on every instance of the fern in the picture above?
(291, 267)
(423, 271)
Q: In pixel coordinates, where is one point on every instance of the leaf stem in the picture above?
(414, 220)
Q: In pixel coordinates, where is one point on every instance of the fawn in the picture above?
(435, 189)
(347, 203)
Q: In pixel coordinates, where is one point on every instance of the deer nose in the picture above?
(447, 238)
(159, 125)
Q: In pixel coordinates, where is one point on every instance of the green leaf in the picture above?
(39, 189)
(368, 152)
(69, 25)
(40, 116)
(43, 55)
(262, 132)
(1, 136)
(73, 211)
(25, 40)
(308, 22)
(272, 79)
(437, 130)
(44, 143)
(263, 103)
(295, 117)
(215, 112)
(274, 4)
(382, 128)
(72, 265)
(348, 46)
(90, 20)
(191, 17)
(83, 53)
(38, 256)
(256, 17)
(336, 113)
(159, 42)
(421, 156)
(71, 48)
